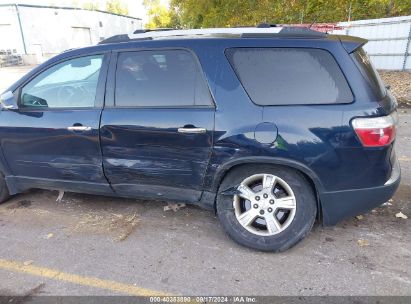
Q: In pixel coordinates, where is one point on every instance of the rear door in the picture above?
(156, 135)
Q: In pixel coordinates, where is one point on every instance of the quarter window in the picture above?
(367, 69)
(70, 84)
(163, 78)
(279, 76)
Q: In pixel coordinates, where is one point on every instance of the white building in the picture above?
(39, 32)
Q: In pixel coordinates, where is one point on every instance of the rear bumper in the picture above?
(348, 203)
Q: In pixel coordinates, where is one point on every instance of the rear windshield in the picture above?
(368, 71)
(278, 76)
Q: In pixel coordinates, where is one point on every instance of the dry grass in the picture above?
(121, 226)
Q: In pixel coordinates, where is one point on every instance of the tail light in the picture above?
(376, 131)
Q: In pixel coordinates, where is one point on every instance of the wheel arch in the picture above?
(311, 177)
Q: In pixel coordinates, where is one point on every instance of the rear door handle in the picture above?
(192, 130)
(79, 128)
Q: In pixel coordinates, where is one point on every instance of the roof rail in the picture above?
(204, 32)
(288, 31)
(263, 31)
(266, 25)
(115, 39)
(153, 30)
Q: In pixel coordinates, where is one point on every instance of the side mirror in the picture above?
(8, 102)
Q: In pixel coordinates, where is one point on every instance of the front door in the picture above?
(52, 140)
(157, 136)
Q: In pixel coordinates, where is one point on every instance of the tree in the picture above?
(116, 7)
(223, 13)
(160, 16)
(92, 5)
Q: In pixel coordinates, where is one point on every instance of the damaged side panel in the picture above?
(144, 155)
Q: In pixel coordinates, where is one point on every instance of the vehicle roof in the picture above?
(263, 31)
(227, 33)
(244, 36)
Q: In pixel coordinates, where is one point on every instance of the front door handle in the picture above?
(79, 128)
(192, 130)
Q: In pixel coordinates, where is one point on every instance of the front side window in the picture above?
(70, 84)
(161, 78)
(283, 76)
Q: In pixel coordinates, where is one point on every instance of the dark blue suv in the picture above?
(272, 128)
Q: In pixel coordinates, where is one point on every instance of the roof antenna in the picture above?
(314, 21)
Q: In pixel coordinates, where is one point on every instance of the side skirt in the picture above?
(17, 184)
(154, 192)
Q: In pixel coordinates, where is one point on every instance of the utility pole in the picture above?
(21, 28)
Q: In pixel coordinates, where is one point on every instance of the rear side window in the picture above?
(368, 71)
(279, 76)
(161, 78)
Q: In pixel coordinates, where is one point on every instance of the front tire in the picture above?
(4, 191)
(266, 207)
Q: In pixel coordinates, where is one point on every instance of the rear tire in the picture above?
(277, 193)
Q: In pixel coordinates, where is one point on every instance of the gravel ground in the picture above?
(8, 75)
(400, 83)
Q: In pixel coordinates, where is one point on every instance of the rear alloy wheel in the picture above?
(269, 208)
(265, 204)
